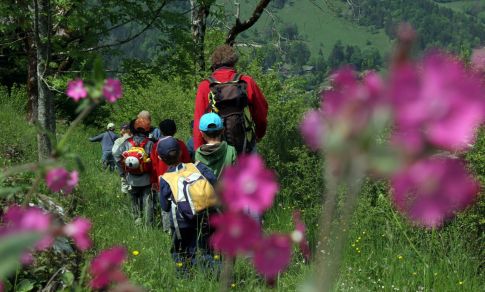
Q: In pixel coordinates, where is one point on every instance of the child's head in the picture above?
(168, 150)
(211, 126)
(125, 128)
(167, 127)
(141, 126)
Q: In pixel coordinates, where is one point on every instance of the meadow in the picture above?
(384, 251)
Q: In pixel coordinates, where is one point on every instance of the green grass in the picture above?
(383, 252)
(320, 24)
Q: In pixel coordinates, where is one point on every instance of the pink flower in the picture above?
(235, 232)
(439, 104)
(19, 219)
(76, 90)
(78, 229)
(298, 235)
(248, 185)
(106, 268)
(112, 90)
(431, 191)
(312, 129)
(27, 258)
(272, 255)
(59, 179)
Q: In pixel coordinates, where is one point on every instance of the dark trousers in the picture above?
(193, 241)
(142, 203)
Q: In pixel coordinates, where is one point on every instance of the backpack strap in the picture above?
(212, 80)
(131, 141)
(236, 78)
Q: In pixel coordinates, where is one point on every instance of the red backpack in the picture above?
(135, 160)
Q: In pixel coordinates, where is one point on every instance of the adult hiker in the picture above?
(107, 140)
(236, 98)
(154, 133)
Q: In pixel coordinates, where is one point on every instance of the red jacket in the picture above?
(257, 103)
(159, 167)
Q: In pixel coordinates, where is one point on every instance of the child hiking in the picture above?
(216, 154)
(167, 128)
(107, 140)
(125, 135)
(133, 158)
(187, 192)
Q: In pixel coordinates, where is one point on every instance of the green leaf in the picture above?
(11, 249)
(25, 285)
(68, 278)
(98, 70)
(5, 192)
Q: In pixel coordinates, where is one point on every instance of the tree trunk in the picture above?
(46, 117)
(32, 92)
(200, 11)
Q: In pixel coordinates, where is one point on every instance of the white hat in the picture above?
(110, 126)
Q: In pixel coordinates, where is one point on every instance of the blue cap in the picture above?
(167, 144)
(210, 122)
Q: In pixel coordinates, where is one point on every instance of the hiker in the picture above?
(134, 164)
(188, 215)
(125, 134)
(154, 133)
(236, 98)
(107, 140)
(167, 128)
(190, 141)
(216, 154)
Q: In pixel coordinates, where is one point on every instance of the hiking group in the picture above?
(156, 168)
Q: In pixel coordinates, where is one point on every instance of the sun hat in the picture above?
(110, 126)
(210, 122)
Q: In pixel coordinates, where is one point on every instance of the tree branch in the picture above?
(242, 26)
(127, 40)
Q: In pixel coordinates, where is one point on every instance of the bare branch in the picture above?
(127, 40)
(242, 26)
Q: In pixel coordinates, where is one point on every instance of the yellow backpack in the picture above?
(192, 192)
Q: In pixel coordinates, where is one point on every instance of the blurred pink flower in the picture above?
(106, 268)
(112, 90)
(312, 129)
(59, 179)
(433, 190)
(298, 235)
(439, 103)
(27, 258)
(1, 286)
(248, 185)
(78, 229)
(272, 255)
(76, 90)
(235, 232)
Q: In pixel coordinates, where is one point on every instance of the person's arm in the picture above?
(97, 138)
(165, 195)
(117, 156)
(207, 172)
(201, 103)
(154, 160)
(258, 108)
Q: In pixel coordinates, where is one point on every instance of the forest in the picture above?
(368, 174)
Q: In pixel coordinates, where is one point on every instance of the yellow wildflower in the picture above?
(135, 252)
(460, 283)
(399, 257)
(179, 264)
(217, 257)
(233, 285)
(414, 273)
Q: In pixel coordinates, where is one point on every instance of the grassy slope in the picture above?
(319, 25)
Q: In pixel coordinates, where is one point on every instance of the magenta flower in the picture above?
(439, 103)
(112, 90)
(27, 258)
(434, 190)
(312, 129)
(78, 229)
(106, 268)
(59, 179)
(272, 255)
(19, 219)
(298, 235)
(248, 185)
(235, 232)
(76, 90)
